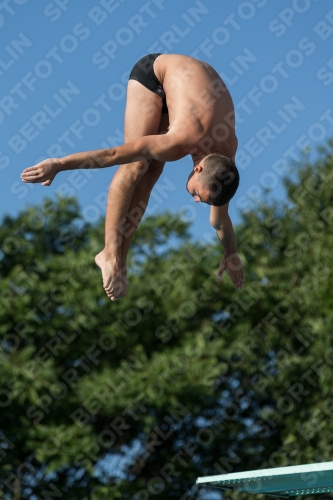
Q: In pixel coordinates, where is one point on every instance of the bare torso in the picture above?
(200, 105)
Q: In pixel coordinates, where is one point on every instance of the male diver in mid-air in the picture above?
(176, 106)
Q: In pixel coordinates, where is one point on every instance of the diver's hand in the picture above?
(233, 266)
(43, 172)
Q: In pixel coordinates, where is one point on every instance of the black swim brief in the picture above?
(143, 72)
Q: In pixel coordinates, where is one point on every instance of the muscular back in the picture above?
(199, 103)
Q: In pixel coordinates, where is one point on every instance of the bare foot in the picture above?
(43, 172)
(114, 278)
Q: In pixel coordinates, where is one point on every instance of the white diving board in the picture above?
(281, 482)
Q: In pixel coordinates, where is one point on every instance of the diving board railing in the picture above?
(281, 482)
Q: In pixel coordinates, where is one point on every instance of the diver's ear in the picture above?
(197, 168)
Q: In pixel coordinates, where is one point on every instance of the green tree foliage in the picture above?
(184, 377)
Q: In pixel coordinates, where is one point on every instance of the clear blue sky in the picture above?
(64, 67)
